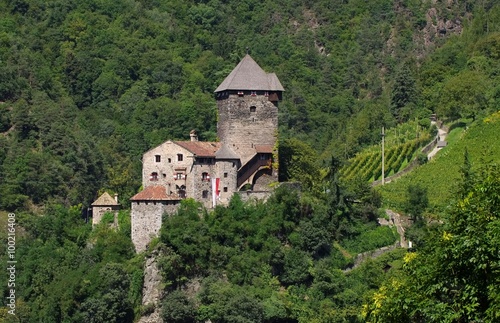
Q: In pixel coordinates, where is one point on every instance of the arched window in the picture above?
(205, 176)
(253, 108)
(154, 176)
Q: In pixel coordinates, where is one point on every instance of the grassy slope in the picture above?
(442, 174)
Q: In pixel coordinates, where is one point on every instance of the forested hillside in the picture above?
(88, 86)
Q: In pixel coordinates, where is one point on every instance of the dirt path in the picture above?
(442, 137)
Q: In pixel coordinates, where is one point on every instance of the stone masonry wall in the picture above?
(230, 168)
(199, 185)
(241, 128)
(146, 221)
(167, 167)
(98, 212)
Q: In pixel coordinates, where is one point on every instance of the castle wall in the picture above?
(247, 196)
(168, 167)
(98, 212)
(227, 171)
(199, 185)
(147, 219)
(242, 127)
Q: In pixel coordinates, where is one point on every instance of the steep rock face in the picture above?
(437, 26)
(431, 26)
(151, 290)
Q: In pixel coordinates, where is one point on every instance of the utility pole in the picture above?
(383, 161)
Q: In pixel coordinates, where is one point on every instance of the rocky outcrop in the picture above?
(151, 291)
(437, 26)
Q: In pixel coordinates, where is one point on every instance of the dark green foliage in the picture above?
(296, 267)
(222, 302)
(454, 276)
(404, 94)
(109, 305)
(416, 201)
(67, 273)
(422, 158)
(250, 254)
(298, 162)
(177, 308)
(87, 88)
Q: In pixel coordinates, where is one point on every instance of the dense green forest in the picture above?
(87, 86)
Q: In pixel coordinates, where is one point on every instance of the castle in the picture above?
(211, 172)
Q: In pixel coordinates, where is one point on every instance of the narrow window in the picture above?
(253, 108)
(179, 157)
(157, 158)
(205, 176)
(153, 176)
(170, 160)
(204, 194)
(225, 189)
(225, 174)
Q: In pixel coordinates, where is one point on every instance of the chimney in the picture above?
(116, 197)
(194, 136)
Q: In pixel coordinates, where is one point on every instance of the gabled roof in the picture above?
(105, 200)
(226, 153)
(200, 148)
(154, 193)
(248, 75)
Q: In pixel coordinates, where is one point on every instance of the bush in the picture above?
(177, 308)
(422, 158)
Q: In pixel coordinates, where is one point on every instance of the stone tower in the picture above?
(247, 102)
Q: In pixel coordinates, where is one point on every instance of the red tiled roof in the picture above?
(265, 149)
(200, 148)
(154, 193)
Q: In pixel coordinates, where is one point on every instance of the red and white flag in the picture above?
(215, 190)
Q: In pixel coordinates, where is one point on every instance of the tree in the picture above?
(177, 308)
(416, 201)
(455, 276)
(464, 95)
(404, 93)
(298, 161)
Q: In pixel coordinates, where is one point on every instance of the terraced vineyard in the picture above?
(368, 164)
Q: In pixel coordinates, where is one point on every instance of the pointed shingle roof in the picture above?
(248, 75)
(226, 153)
(105, 200)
